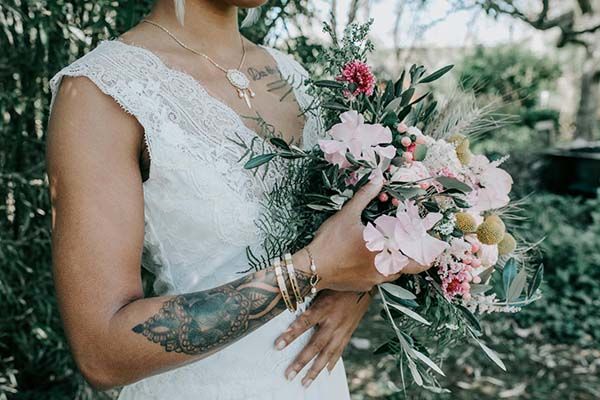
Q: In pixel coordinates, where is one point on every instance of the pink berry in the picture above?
(476, 263)
(474, 247)
(476, 279)
(402, 127)
(383, 197)
(407, 155)
(395, 202)
(405, 141)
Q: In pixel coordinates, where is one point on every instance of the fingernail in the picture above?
(291, 375)
(307, 383)
(280, 344)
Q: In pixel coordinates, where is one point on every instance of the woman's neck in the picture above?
(206, 22)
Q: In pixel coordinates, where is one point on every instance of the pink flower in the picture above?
(402, 237)
(360, 74)
(413, 237)
(382, 237)
(359, 139)
(494, 184)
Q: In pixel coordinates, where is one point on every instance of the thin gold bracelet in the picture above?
(282, 285)
(293, 281)
(314, 279)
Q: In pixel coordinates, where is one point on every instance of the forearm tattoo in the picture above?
(196, 323)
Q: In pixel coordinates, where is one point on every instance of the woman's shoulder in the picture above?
(124, 72)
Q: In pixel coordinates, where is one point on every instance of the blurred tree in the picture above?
(516, 74)
(579, 24)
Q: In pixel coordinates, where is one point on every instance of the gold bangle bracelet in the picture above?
(293, 281)
(282, 285)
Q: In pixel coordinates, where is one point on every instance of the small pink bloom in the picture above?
(402, 127)
(476, 279)
(474, 248)
(405, 141)
(381, 237)
(424, 185)
(361, 140)
(395, 202)
(360, 74)
(383, 197)
(411, 148)
(413, 236)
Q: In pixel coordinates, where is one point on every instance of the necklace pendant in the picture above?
(240, 81)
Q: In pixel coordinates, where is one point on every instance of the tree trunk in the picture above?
(586, 123)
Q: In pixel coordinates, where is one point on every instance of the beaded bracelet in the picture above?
(314, 279)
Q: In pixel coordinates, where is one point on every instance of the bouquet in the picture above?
(441, 205)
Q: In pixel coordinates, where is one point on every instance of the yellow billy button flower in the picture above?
(462, 148)
(465, 222)
(491, 231)
(507, 245)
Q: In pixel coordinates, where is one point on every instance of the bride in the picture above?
(144, 170)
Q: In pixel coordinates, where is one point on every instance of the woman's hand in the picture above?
(335, 315)
(343, 261)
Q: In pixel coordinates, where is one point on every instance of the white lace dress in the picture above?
(200, 211)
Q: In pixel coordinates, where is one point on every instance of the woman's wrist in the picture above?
(302, 262)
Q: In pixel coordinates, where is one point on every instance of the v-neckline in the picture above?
(200, 87)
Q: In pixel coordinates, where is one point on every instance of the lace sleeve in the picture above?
(135, 92)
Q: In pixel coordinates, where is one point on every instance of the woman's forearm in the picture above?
(188, 327)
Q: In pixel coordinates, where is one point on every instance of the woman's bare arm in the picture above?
(116, 335)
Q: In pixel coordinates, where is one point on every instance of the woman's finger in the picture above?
(335, 358)
(317, 342)
(320, 362)
(303, 323)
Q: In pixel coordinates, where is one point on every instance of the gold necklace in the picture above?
(235, 76)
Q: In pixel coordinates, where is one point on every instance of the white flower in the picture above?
(441, 155)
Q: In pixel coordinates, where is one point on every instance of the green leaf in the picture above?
(420, 152)
(259, 160)
(393, 105)
(472, 319)
(398, 291)
(437, 74)
(479, 288)
(279, 142)
(485, 274)
(492, 355)
(407, 96)
(410, 313)
(455, 184)
(418, 99)
(414, 372)
(538, 277)
(404, 112)
(335, 106)
(329, 84)
(516, 287)
(509, 273)
(428, 362)
(388, 347)
(399, 85)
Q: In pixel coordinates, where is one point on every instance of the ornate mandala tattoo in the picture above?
(196, 323)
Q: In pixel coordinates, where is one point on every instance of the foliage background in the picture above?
(550, 349)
